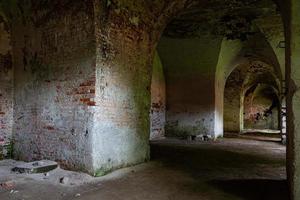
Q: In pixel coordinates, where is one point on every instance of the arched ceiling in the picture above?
(251, 73)
(233, 19)
(263, 78)
(263, 94)
(265, 90)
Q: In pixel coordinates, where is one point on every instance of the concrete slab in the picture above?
(41, 166)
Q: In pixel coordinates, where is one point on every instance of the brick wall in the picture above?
(261, 106)
(189, 65)
(6, 91)
(55, 83)
(82, 82)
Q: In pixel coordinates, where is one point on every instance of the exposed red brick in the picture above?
(85, 100)
(51, 128)
(91, 103)
(92, 91)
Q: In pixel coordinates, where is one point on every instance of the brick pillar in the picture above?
(293, 98)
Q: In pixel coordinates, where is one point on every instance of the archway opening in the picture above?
(261, 109)
(251, 77)
(190, 56)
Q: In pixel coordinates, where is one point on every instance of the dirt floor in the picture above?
(228, 169)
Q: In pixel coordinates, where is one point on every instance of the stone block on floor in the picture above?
(41, 166)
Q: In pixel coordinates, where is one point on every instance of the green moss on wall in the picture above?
(102, 172)
(157, 68)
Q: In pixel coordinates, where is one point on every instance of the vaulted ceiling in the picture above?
(234, 19)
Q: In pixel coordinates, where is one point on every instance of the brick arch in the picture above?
(262, 108)
(238, 82)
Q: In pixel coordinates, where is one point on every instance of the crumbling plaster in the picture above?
(79, 88)
(126, 37)
(262, 108)
(54, 84)
(158, 100)
(6, 89)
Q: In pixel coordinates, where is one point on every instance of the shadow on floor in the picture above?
(264, 137)
(244, 174)
(254, 189)
(193, 159)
